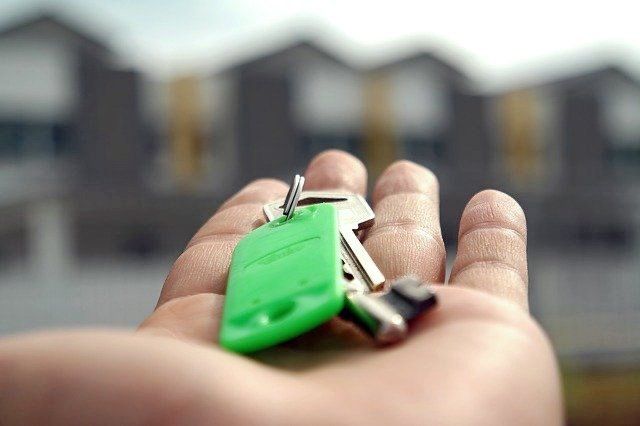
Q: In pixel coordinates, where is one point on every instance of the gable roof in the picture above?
(288, 50)
(50, 20)
(417, 57)
(591, 76)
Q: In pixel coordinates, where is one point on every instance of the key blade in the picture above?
(354, 253)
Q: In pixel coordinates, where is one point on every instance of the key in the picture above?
(355, 214)
(386, 316)
(285, 278)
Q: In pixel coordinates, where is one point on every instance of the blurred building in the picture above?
(574, 143)
(62, 95)
(434, 116)
(78, 176)
(68, 123)
(569, 147)
(281, 109)
(287, 105)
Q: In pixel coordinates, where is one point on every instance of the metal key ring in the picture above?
(293, 195)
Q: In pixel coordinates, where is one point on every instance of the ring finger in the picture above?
(406, 238)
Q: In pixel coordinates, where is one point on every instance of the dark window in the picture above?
(609, 236)
(63, 140)
(10, 140)
(628, 156)
(141, 243)
(312, 144)
(423, 150)
(29, 140)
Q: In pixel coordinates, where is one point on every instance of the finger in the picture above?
(492, 247)
(406, 238)
(202, 267)
(107, 377)
(336, 170)
(189, 318)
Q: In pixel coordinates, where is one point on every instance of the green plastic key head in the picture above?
(285, 279)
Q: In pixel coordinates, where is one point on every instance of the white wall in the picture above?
(37, 78)
(549, 138)
(418, 100)
(327, 97)
(621, 102)
(219, 106)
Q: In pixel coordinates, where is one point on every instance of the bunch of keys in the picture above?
(307, 265)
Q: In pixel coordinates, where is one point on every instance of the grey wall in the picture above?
(266, 132)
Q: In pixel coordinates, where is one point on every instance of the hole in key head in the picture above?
(314, 200)
(346, 272)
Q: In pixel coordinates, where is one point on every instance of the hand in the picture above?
(478, 358)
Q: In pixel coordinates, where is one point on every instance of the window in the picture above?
(315, 143)
(33, 140)
(424, 150)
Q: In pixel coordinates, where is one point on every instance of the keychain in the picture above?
(307, 265)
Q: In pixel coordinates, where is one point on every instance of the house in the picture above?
(569, 147)
(67, 121)
(282, 110)
(421, 91)
(436, 117)
(62, 96)
(75, 154)
(571, 144)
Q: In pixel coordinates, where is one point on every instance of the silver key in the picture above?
(354, 214)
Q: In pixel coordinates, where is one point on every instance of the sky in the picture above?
(494, 40)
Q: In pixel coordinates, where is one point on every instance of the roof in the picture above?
(590, 76)
(61, 25)
(574, 72)
(417, 57)
(288, 50)
(423, 57)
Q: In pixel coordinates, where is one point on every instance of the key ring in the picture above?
(291, 200)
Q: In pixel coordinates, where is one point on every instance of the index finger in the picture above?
(202, 267)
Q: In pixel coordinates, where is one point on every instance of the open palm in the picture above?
(478, 358)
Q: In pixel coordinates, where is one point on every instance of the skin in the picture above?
(479, 358)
